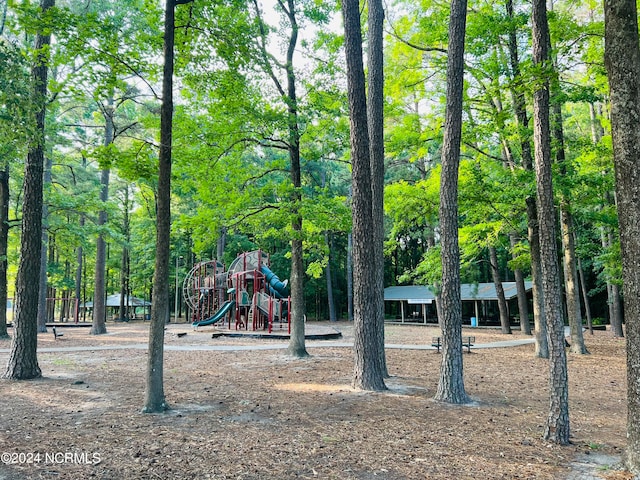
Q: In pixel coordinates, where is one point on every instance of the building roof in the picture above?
(468, 291)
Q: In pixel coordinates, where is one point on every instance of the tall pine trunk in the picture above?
(367, 374)
(533, 229)
(557, 425)
(572, 282)
(43, 314)
(375, 122)
(23, 359)
(451, 383)
(124, 260)
(615, 302)
(566, 229)
(350, 277)
(100, 292)
(622, 59)
(78, 279)
(4, 242)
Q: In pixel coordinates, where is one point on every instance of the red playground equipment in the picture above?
(248, 292)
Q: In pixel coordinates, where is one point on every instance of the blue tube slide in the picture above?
(276, 285)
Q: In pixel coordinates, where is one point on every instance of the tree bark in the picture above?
(155, 400)
(221, 244)
(567, 233)
(622, 60)
(616, 302)
(100, 292)
(4, 242)
(585, 296)
(43, 315)
(327, 272)
(350, 277)
(288, 93)
(368, 374)
(297, 347)
(597, 132)
(523, 302)
(533, 229)
(23, 359)
(616, 318)
(557, 425)
(502, 302)
(78, 282)
(612, 297)
(451, 383)
(571, 283)
(375, 122)
(124, 260)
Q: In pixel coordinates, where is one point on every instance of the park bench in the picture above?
(56, 334)
(466, 342)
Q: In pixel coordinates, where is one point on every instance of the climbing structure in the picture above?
(204, 290)
(248, 293)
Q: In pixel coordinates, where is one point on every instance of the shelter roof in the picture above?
(468, 292)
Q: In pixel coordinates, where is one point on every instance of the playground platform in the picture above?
(312, 332)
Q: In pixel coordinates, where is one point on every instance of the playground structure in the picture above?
(248, 292)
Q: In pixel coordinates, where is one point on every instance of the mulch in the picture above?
(263, 415)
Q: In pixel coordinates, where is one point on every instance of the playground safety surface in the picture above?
(248, 411)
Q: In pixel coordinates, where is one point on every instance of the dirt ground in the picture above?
(258, 414)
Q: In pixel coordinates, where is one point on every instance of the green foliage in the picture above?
(230, 152)
(16, 112)
(428, 271)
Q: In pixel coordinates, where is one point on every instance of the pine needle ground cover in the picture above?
(258, 414)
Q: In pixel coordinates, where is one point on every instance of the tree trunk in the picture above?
(533, 229)
(297, 346)
(622, 59)
(557, 425)
(597, 132)
(23, 360)
(502, 302)
(611, 302)
(616, 302)
(375, 122)
(368, 374)
(42, 295)
(350, 277)
(221, 244)
(585, 296)
(523, 302)
(4, 242)
(154, 393)
(79, 269)
(124, 260)
(100, 291)
(616, 319)
(327, 272)
(571, 283)
(566, 228)
(451, 383)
